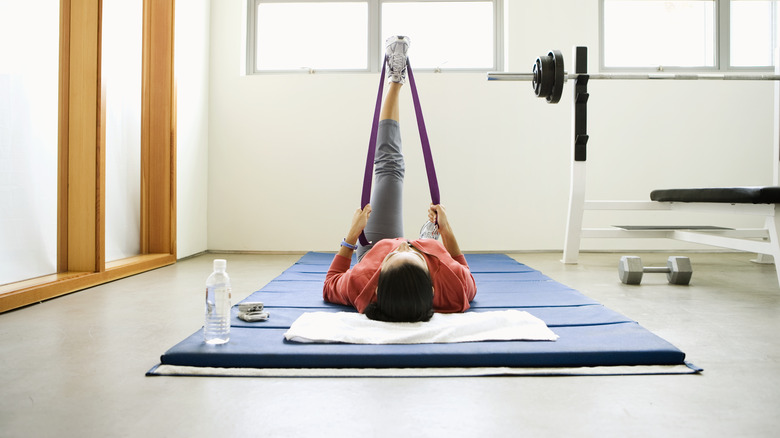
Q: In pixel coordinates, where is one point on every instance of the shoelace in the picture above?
(397, 64)
(396, 61)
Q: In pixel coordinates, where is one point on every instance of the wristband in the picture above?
(348, 245)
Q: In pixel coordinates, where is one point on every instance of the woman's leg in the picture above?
(386, 221)
(390, 109)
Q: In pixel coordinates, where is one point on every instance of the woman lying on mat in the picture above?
(396, 279)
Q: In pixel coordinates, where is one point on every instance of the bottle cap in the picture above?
(220, 264)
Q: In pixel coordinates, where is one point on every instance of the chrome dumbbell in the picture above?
(678, 270)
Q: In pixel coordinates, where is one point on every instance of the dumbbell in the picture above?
(678, 270)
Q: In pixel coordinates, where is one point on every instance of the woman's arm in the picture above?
(438, 214)
(359, 220)
(336, 286)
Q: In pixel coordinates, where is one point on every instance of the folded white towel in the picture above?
(356, 328)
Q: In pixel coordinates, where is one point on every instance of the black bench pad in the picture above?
(729, 195)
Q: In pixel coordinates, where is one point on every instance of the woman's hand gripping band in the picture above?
(438, 215)
(359, 220)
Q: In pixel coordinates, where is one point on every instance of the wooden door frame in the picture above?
(81, 163)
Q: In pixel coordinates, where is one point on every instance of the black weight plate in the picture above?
(556, 92)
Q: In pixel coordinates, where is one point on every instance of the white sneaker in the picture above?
(395, 50)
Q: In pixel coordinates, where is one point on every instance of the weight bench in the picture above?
(761, 201)
(747, 200)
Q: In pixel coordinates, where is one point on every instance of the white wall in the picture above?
(286, 152)
(192, 82)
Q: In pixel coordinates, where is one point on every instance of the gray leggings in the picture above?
(386, 220)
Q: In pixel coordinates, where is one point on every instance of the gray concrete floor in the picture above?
(74, 366)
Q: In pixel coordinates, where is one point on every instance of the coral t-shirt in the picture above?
(453, 284)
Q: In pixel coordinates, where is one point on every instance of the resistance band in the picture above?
(368, 175)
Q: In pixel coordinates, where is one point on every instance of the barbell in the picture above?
(548, 76)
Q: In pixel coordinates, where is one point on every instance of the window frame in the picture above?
(722, 43)
(374, 38)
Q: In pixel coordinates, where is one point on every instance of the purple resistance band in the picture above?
(433, 183)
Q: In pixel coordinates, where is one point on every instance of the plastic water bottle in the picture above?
(429, 231)
(217, 327)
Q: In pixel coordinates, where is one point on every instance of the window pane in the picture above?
(659, 33)
(443, 34)
(29, 66)
(121, 81)
(318, 35)
(751, 33)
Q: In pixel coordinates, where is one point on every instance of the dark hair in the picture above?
(404, 294)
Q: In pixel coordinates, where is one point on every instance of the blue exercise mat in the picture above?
(591, 335)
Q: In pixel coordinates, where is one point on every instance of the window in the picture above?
(121, 69)
(751, 30)
(28, 156)
(308, 36)
(323, 36)
(434, 39)
(692, 34)
(659, 33)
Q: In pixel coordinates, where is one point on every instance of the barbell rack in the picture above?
(548, 77)
(502, 76)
